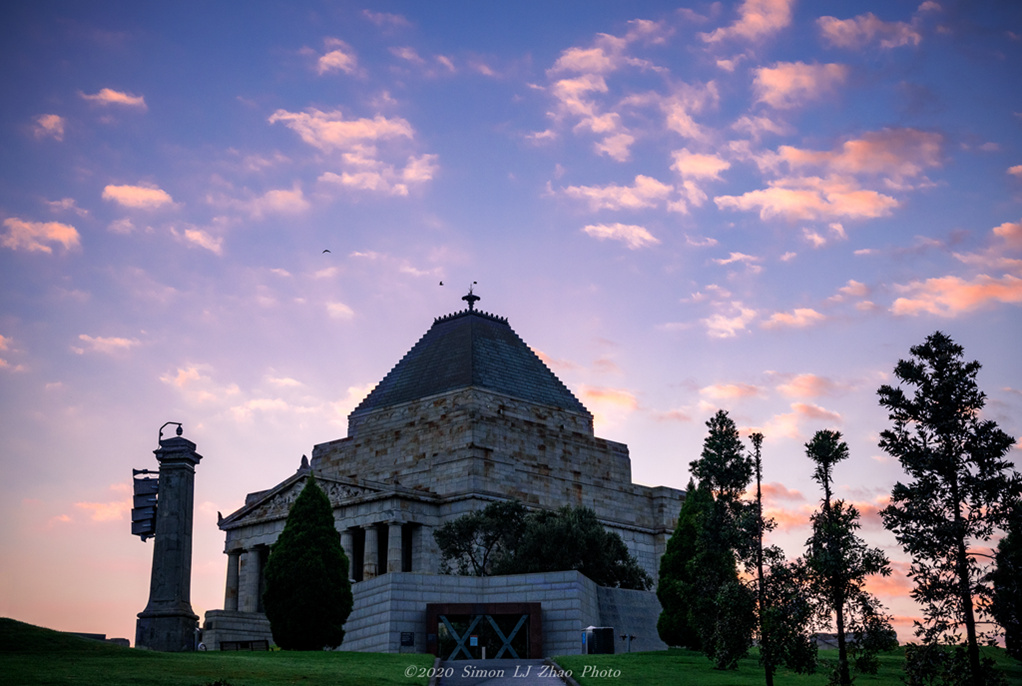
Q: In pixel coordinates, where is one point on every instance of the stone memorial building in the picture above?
(469, 416)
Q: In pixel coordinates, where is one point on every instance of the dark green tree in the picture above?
(788, 615)
(783, 609)
(678, 624)
(725, 607)
(960, 490)
(308, 595)
(573, 538)
(1006, 581)
(838, 563)
(504, 538)
(476, 542)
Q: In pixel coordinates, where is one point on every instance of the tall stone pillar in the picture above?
(347, 541)
(248, 596)
(372, 553)
(168, 622)
(394, 547)
(233, 579)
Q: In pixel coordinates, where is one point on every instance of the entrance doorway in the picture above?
(475, 631)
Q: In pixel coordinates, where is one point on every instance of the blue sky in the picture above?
(756, 206)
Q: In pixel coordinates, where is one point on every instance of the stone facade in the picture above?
(394, 604)
(470, 416)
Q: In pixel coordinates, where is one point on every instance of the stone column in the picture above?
(248, 597)
(168, 623)
(349, 549)
(394, 547)
(231, 594)
(372, 553)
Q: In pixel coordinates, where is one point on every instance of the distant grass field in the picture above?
(691, 668)
(33, 656)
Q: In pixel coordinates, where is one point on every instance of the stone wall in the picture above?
(394, 603)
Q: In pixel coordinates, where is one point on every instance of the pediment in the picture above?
(276, 502)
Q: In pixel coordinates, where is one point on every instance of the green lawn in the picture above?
(31, 656)
(691, 668)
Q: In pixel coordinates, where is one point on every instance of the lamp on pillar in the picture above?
(168, 622)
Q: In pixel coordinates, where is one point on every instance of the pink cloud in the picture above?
(108, 96)
(729, 323)
(138, 197)
(736, 257)
(330, 131)
(1016, 170)
(699, 166)
(811, 199)
(867, 29)
(35, 236)
(49, 126)
(757, 19)
(791, 84)
(109, 511)
(788, 518)
(897, 153)
(340, 58)
(775, 491)
(808, 386)
(730, 391)
(788, 425)
(950, 296)
(608, 405)
(385, 19)
(610, 396)
(634, 237)
(799, 318)
(646, 192)
(1010, 233)
(202, 239)
(105, 344)
(386, 178)
(275, 201)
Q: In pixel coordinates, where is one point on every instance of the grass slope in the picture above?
(680, 666)
(34, 656)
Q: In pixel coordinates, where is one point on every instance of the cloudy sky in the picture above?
(758, 206)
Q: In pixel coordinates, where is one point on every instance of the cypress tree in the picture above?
(677, 625)
(308, 595)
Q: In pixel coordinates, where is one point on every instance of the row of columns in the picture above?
(245, 578)
(361, 546)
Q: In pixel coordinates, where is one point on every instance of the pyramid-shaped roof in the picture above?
(470, 349)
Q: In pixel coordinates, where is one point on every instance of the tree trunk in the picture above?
(842, 649)
(766, 646)
(965, 590)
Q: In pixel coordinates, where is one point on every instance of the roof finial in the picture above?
(471, 298)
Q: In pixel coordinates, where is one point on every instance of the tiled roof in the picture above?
(471, 348)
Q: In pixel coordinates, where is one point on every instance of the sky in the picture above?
(755, 206)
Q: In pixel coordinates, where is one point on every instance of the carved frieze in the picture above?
(280, 504)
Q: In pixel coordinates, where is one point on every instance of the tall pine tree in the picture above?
(308, 595)
(839, 562)
(960, 488)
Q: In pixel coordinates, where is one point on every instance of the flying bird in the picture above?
(326, 251)
(441, 283)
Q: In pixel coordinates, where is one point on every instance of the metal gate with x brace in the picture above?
(505, 645)
(509, 630)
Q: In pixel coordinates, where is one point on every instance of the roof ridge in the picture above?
(467, 312)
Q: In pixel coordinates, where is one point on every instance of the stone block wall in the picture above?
(391, 604)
